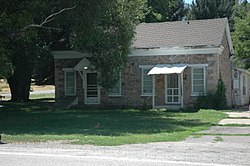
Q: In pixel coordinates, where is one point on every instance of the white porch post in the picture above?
(153, 97)
(182, 92)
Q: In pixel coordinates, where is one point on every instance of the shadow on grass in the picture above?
(38, 117)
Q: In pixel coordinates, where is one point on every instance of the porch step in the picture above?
(67, 102)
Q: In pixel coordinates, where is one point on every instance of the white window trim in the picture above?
(205, 86)
(120, 89)
(145, 67)
(69, 70)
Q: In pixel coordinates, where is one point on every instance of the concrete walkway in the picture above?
(241, 118)
(227, 130)
(227, 134)
(245, 114)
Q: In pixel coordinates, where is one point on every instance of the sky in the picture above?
(188, 1)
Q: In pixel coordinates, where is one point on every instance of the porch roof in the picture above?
(167, 69)
(84, 64)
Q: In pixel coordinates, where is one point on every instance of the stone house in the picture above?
(171, 63)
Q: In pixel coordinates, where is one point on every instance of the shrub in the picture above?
(215, 100)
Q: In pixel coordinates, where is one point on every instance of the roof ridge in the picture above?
(164, 22)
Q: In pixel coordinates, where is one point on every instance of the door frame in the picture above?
(85, 90)
(179, 90)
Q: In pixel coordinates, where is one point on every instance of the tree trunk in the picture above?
(19, 87)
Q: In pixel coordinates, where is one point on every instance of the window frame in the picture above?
(67, 70)
(204, 81)
(142, 81)
(120, 89)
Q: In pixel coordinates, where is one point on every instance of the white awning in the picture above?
(167, 69)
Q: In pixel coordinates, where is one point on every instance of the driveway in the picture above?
(220, 146)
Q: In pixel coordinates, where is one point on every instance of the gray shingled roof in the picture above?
(180, 33)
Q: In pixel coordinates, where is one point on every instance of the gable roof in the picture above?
(194, 33)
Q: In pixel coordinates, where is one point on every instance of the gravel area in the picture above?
(189, 151)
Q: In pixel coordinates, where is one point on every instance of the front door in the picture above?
(92, 90)
(172, 90)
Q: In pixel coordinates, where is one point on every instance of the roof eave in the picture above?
(176, 51)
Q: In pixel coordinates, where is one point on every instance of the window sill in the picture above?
(67, 95)
(114, 95)
(147, 95)
(197, 95)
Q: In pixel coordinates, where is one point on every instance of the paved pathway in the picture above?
(227, 134)
(227, 130)
(242, 118)
(239, 114)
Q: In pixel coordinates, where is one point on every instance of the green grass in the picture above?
(42, 96)
(218, 139)
(38, 96)
(39, 121)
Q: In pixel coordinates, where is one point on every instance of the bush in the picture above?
(220, 95)
(215, 100)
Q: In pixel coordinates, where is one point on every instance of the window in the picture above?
(116, 91)
(69, 84)
(198, 81)
(147, 84)
(244, 89)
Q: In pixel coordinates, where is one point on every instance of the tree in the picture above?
(208, 9)
(105, 28)
(220, 99)
(165, 10)
(241, 35)
(20, 43)
(107, 34)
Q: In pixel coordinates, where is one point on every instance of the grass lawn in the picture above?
(38, 121)
(36, 96)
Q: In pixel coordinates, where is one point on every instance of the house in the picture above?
(241, 85)
(170, 65)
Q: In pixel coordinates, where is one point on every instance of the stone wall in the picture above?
(131, 80)
(225, 69)
(59, 77)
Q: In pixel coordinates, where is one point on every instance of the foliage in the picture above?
(165, 10)
(107, 35)
(215, 100)
(220, 95)
(206, 101)
(23, 123)
(208, 9)
(28, 28)
(241, 35)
